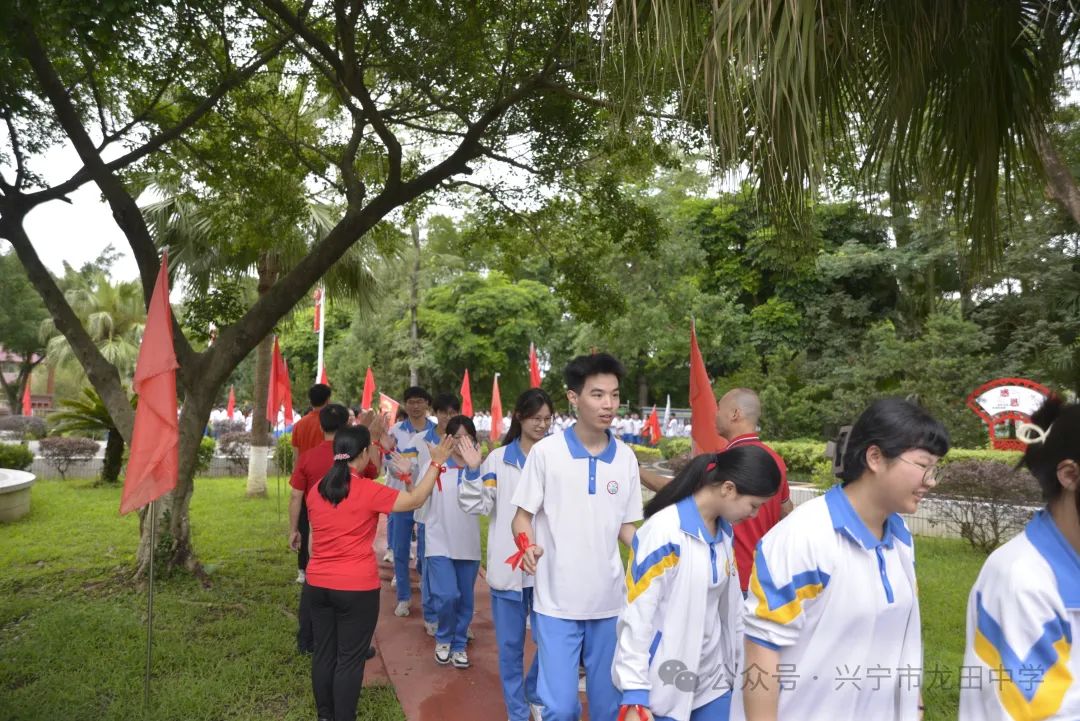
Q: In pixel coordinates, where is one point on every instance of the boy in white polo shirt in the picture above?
(578, 497)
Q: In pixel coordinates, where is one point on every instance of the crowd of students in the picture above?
(731, 605)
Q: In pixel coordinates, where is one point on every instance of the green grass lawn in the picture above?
(72, 644)
(73, 641)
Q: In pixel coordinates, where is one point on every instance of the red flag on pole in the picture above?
(652, 427)
(466, 396)
(322, 377)
(534, 367)
(286, 391)
(369, 390)
(155, 441)
(496, 411)
(231, 408)
(318, 309)
(702, 403)
(280, 391)
(27, 403)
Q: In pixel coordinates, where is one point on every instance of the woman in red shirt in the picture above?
(342, 586)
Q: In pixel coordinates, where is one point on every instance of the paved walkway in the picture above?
(426, 690)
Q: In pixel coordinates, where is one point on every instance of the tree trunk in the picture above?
(260, 427)
(642, 390)
(1059, 179)
(414, 294)
(114, 457)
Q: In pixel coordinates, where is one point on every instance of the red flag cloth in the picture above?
(369, 390)
(702, 404)
(496, 412)
(652, 427)
(388, 407)
(280, 392)
(27, 403)
(231, 408)
(534, 368)
(522, 543)
(466, 396)
(155, 441)
(322, 377)
(318, 309)
(286, 391)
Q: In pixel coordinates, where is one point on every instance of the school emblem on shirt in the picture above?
(613, 487)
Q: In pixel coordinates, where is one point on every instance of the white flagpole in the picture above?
(321, 310)
(667, 411)
(150, 611)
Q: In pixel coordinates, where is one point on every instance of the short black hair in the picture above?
(415, 392)
(457, 422)
(333, 417)
(894, 425)
(586, 366)
(1061, 423)
(318, 394)
(446, 402)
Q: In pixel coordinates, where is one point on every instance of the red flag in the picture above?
(322, 377)
(652, 427)
(318, 309)
(286, 391)
(155, 441)
(369, 390)
(466, 396)
(388, 407)
(702, 403)
(231, 408)
(280, 392)
(534, 368)
(27, 404)
(496, 411)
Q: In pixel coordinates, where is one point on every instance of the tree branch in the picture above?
(20, 163)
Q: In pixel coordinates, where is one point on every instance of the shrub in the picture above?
(284, 454)
(675, 446)
(220, 428)
(61, 452)
(235, 447)
(987, 501)
(27, 428)
(15, 456)
(646, 454)
(205, 456)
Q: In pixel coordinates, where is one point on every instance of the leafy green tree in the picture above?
(20, 326)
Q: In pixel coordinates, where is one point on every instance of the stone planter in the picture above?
(14, 494)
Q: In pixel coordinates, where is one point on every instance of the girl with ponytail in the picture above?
(680, 634)
(511, 588)
(1024, 611)
(342, 584)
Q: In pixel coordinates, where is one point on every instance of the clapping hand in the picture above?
(440, 453)
(402, 466)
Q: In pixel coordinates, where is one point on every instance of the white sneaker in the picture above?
(442, 653)
(469, 634)
(536, 711)
(402, 609)
(301, 576)
(460, 659)
(431, 627)
(388, 557)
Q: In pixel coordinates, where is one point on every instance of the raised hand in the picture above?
(469, 451)
(440, 453)
(402, 466)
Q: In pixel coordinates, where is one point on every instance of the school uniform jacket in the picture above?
(1022, 618)
(489, 495)
(659, 660)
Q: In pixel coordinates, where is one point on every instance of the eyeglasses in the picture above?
(930, 472)
(539, 420)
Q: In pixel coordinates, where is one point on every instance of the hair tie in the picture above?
(710, 467)
(341, 456)
(1032, 434)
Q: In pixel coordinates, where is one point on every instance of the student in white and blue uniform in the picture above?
(511, 588)
(1024, 611)
(579, 496)
(680, 635)
(399, 528)
(832, 616)
(453, 543)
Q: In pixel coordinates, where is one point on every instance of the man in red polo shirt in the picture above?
(737, 415)
(306, 433)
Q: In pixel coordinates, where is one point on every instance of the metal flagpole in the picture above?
(150, 610)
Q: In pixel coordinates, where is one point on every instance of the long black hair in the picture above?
(349, 442)
(528, 405)
(1061, 423)
(750, 468)
(894, 425)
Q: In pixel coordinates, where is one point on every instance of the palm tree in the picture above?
(950, 97)
(87, 414)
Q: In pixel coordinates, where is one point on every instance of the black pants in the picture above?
(304, 527)
(344, 624)
(305, 641)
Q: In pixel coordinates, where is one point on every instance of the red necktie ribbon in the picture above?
(523, 545)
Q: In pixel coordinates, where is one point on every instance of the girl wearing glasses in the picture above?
(832, 616)
(1024, 611)
(511, 588)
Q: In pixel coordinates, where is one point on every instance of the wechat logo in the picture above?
(675, 673)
